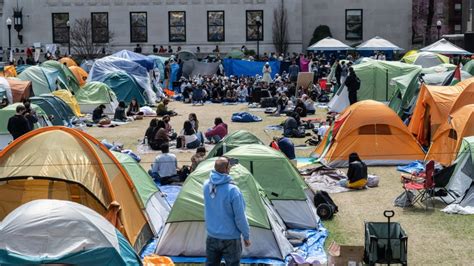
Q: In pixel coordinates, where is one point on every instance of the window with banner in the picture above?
(215, 26)
(138, 27)
(177, 26)
(100, 27)
(60, 29)
(254, 31)
(354, 24)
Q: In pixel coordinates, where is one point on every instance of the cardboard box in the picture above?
(345, 255)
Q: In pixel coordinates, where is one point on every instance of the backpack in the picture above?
(357, 84)
(325, 206)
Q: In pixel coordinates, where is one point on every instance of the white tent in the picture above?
(329, 44)
(443, 46)
(379, 44)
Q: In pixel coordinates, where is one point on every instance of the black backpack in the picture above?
(325, 206)
(357, 84)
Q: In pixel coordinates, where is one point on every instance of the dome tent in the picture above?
(425, 59)
(185, 231)
(372, 130)
(232, 141)
(71, 165)
(75, 235)
(65, 75)
(285, 188)
(125, 87)
(94, 94)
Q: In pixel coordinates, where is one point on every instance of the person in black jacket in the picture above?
(120, 112)
(98, 113)
(356, 174)
(353, 85)
(18, 124)
(30, 114)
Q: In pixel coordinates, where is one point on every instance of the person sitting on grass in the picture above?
(218, 132)
(165, 166)
(231, 95)
(291, 126)
(198, 157)
(169, 129)
(356, 174)
(120, 112)
(285, 145)
(98, 115)
(188, 138)
(134, 109)
(282, 102)
(162, 109)
(151, 131)
(309, 103)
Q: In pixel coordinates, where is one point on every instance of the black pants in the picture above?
(352, 97)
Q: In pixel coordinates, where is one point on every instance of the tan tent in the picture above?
(67, 164)
(433, 106)
(80, 74)
(448, 138)
(372, 130)
(21, 89)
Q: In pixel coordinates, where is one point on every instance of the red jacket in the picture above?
(219, 130)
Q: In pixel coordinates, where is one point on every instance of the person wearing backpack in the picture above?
(353, 85)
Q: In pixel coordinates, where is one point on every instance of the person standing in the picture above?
(30, 114)
(293, 71)
(18, 124)
(338, 73)
(344, 72)
(267, 71)
(353, 84)
(224, 212)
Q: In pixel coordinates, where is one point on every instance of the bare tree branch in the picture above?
(280, 29)
(81, 39)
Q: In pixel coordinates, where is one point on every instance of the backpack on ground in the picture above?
(325, 206)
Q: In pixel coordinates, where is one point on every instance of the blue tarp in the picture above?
(159, 63)
(248, 68)
(143, 60)
(174, 76)
(245, 117)
(415, 167)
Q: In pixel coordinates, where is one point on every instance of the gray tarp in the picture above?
(192, 68)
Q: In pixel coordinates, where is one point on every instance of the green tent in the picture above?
(43, 80)
(153, 201)
(65, 74)
(375, 78)
(406, 89)
(185, 233)
(469, 67)
(125, 87)
(441, 68)
(95, 93)
(235, 53)
(232, 141)
(281, 181)
(10, 111)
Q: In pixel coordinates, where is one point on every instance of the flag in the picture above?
(456, 76)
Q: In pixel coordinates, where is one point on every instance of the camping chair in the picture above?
(425, 187)
(441, 180)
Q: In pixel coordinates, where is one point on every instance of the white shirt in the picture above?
(322, 130)
(165, 165)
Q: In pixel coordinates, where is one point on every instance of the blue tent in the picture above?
(143, 60)
(159, 63)
(248, 68)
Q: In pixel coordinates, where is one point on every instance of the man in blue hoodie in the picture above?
(224, 212)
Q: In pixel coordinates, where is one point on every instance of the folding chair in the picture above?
(425, 188)
(441, 180)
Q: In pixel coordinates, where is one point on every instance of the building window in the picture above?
(253, 31)
(354, 24)
(138, 27)
(215, 26)
(60, 30)
(457, 7)
(177, 26)
(100, 27)
(457, 28)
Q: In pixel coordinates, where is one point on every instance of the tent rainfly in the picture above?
(443, 46)
(232, 141)
(329, 44)
(379, 44)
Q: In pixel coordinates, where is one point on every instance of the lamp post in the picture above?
(258, 21)
(438, 27)
(9, 26)
(68, 25)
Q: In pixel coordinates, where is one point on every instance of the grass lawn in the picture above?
(434, 238)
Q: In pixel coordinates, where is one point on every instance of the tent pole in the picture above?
(251, 167)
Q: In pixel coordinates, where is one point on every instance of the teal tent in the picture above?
(64, 74)
(469, 67)
(125, 87)
(43, 80)
(60, 113)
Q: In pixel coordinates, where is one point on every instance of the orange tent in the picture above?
(21, 89)
(9, 71)
(68, 61)
(433, 106)
(80, 74)
(372, 130)
(67, 164)
(448, 138)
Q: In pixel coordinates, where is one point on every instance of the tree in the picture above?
(429, 22)
(321, 32)
(280, 29)
(81, 39)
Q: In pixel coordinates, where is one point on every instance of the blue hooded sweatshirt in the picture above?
(224, 208)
